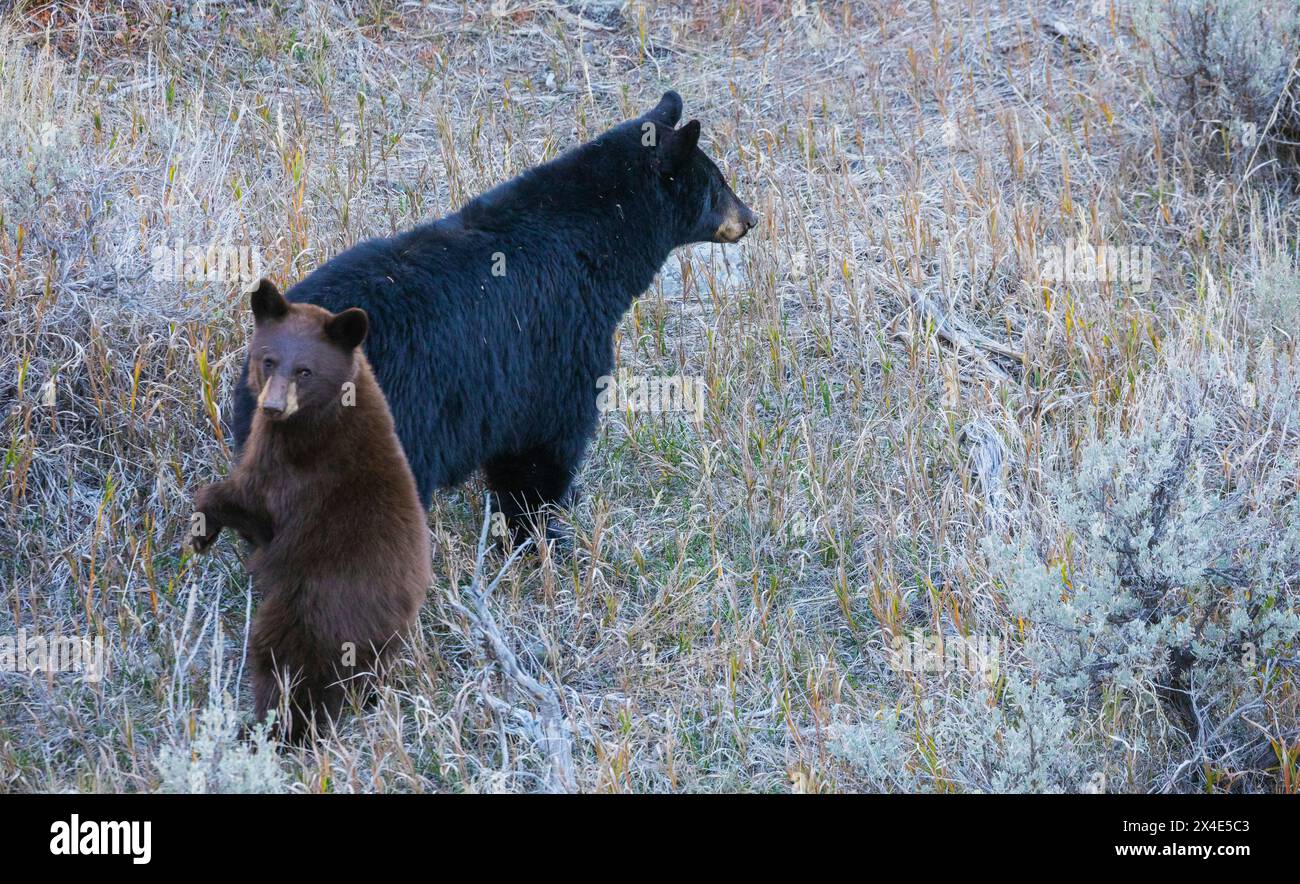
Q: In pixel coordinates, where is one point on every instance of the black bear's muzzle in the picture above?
(737, 220)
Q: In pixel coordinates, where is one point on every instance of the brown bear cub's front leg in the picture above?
(220, 506)
(325, 495)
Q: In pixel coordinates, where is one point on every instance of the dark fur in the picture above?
(500, 372)
(325, 495)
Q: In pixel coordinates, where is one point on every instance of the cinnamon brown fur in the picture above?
(325, 494)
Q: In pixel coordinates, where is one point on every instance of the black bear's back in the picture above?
(474, 363)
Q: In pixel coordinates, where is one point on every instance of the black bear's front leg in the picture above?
(220, 505)
(525, 484)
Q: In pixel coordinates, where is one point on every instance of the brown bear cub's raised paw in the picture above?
(325, 495)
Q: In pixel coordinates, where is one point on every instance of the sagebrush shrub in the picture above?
(1228, 65)
(1015, 736)
(1158, 600)
(215, 758)
(40, 125)
(1178, 568)
(1276, 300)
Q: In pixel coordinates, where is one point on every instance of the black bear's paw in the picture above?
(557, 536)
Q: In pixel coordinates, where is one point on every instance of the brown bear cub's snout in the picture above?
(324, 493)
(278, 398)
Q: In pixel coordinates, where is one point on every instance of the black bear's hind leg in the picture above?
(524, 485)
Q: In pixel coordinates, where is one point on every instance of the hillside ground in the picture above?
(966, 510)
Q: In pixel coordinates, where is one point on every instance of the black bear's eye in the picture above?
(304, 373)
(268, 363)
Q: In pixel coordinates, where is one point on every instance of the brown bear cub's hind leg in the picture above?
(282, 654)
(314, 700)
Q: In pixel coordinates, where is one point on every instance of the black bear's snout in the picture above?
(747, 217)
(737, 219)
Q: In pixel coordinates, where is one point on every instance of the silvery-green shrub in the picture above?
(215, 758)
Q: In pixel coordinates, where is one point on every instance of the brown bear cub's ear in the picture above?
(348, 329)
(268, 303)
(680, 145)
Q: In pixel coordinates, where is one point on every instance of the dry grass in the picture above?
(891, 380)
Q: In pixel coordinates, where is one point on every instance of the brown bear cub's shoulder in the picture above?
(324, 493)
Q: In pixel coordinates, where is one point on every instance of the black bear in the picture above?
(341, 538)
(490, 327)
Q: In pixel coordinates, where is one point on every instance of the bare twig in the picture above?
(963, 339)
(547, 725)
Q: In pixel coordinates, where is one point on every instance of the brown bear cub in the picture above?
(324, 493)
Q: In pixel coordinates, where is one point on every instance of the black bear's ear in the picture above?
(668, 111)
(267, 302)
(348, 329)
(680, 145)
